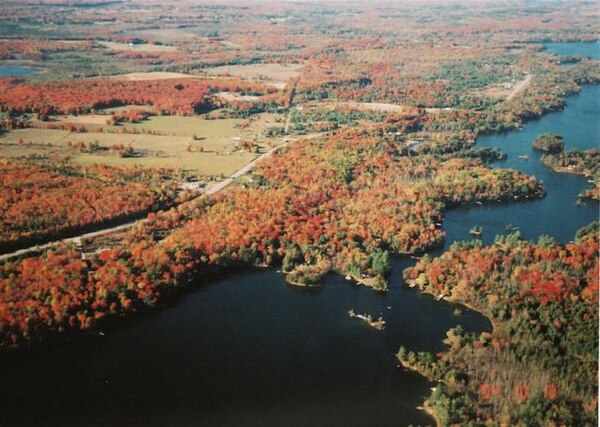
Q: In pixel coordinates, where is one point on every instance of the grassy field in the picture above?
(174, 125)
(153, 75)
(498, 91)
(213, 152)
(170, 35)
(187, 126)
(201, 164)
(112, 110)
(138, 47)
(270, 72)
(160, 125)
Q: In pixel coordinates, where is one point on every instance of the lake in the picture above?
(589, 50)
(247, 349)
(558, 214)
(18, 70)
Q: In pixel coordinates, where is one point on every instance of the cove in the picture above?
(247, 349)
(558, 214)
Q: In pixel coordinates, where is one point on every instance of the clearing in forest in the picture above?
(217, 149)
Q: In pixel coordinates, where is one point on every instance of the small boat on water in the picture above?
(524, 157)
(511, 227)
(476, 231)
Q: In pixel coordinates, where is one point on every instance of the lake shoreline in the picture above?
(426, 407)
(17, 69)
(204, 280)
(495, 324)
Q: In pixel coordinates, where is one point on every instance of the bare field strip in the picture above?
(232, 96)
(364, 106)
(272, 72)
(188, 126)
(185, 126)
(154, 75)
(138, 47)
(201, 163)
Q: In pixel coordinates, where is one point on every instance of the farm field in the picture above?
(276, 73)
(196, 164)
(146, 47)
(212, 153)
(169, 35)
(186, 126)
(152, 75)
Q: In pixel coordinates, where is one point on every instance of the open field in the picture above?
(207, 163)
(169, 35)
(232, 96)
(127, 108)
(364, 106)
(505, 91)
(213, 152)
(379, 107)
(196, 165)
(153, 75)
(151, 151)
(207, 75)
(187, 126)
(271, 72)
(499, 91)
(138, 47)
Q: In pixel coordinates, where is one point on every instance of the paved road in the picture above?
(212, 190)
(226, 182)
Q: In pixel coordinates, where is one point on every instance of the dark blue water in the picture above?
(558, 214)
(17, 70)
(249, 350)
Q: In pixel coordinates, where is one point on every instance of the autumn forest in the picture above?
(149, 149)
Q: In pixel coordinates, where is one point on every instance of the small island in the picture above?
(476, 231)
(549, 142)
(378, 323)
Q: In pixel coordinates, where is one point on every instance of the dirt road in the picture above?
(520, 87)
